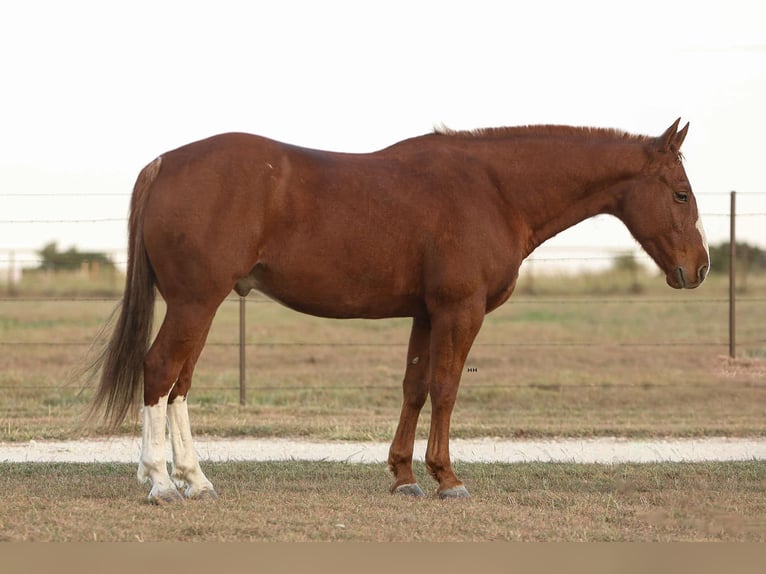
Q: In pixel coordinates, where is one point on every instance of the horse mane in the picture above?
(540, 131)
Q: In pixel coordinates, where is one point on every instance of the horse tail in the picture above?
(121, 361)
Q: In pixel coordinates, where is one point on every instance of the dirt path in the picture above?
(601, 450)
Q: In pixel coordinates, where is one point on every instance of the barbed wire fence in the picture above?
(15, 260)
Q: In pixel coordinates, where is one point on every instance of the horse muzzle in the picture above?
(681, 279)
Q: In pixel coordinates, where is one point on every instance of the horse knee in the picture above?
(415, 393)
(417, 401)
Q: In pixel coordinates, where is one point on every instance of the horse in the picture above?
(433, 228)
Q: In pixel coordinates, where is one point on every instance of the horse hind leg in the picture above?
(153, 466)
(415, 390)
(180, 335)
(186, 471)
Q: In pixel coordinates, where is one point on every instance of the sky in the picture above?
(92, 91)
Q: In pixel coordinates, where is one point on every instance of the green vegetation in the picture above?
(71, 260)
(750, 258)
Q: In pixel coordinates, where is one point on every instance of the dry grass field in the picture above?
(585, 357)
(562, 362)
(296, 502)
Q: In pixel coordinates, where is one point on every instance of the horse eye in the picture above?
(681, 196)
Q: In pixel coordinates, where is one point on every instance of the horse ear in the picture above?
(680, 137)
(666, 139)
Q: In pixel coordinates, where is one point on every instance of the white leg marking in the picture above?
(153, 464)
(186, 469)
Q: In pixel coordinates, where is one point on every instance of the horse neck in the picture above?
(556, 184)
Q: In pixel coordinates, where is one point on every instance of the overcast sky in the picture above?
(92, 91)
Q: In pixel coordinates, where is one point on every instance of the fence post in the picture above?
(242, 374)
(732, 275)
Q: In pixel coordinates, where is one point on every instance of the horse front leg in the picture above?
(415, 390)
(452, 333)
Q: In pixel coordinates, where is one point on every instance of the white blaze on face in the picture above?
(701, 230)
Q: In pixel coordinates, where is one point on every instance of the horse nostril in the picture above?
(702, 273)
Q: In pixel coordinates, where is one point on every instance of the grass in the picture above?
(554, 361)
(47, 283)
(348, 502)
(626, 364)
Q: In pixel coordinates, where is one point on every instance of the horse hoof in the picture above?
(206, 494)
(409, 490)
(163, 497)
(455, 492)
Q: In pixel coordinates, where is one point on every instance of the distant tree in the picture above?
(749, 258)
(626, 263)
(54, 260)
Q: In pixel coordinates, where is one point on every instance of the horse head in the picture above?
(660, 210)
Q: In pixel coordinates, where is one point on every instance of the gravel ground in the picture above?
(600, 450)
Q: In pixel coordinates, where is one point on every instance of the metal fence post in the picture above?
(242, 374)
(732, 275)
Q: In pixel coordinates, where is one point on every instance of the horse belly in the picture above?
(331, 293)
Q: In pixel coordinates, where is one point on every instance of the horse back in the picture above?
(331, 234)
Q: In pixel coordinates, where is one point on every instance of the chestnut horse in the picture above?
(434, 228)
